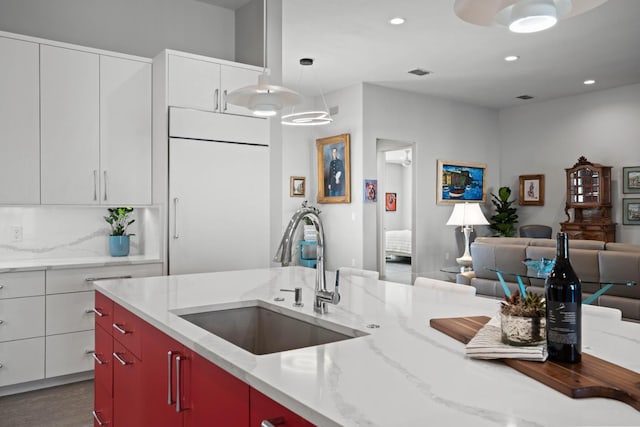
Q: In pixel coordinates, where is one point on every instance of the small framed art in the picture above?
(631, 179)
(297, 186)
(532, 190)
(631, 211)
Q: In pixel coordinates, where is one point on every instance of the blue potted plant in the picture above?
(119, 221)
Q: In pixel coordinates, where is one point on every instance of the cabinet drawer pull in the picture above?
(272, 422)
(98, 360)
(169, 357)
(97, 312)
(105, 185)
(215, 97)
(176, 235)
(178, 396)
(120, 329)
(120, 359)
(95, 185)
(97, 418)
(224, 100)
(93, 279)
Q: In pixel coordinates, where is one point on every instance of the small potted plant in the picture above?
(119, 221)
(523, 320)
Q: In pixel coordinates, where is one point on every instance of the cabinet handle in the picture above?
(98, 360)
(104, 174)
(120, 359)
(175, 218)
(224, 100)
(178, 397)
(169, 357)
(215, 97)
(93, 279)
(95, 184)
(272, 422)
(98, 312)
(97, 418)
(120, 329)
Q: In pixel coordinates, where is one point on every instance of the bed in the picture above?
(398, 243)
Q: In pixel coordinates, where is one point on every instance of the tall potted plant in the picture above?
(119, 221)
(502, 223)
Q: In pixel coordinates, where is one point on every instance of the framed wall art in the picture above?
(631, 211)
(390, 202)
(461, 182)
(297, 187)
(334, 171)
(370, 189)
(631, 180)
(532, 190)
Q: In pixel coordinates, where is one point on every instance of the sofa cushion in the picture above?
(622, 247)
(583, 261)
(504, 240)
(630, 307)
(573, 244)
(620, 267)
(507, 258)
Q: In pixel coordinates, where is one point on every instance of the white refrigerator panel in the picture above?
(219, 206)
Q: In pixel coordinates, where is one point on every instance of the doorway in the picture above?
(395, 213)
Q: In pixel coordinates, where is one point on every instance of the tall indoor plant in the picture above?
(503, 222)
(119, 221)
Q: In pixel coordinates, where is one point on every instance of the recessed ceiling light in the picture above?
(511, 58)
(420, 72)
(397, 21)
(525, 97)
(589, 82)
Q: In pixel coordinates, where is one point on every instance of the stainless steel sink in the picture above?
(261, 329)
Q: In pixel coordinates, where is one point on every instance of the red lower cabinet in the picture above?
(102, 407)
(103, 384)
(127, 387)
(265, 409)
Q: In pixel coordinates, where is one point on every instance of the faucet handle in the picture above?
(335, 299)
(297, 296)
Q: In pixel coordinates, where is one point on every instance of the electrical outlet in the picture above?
(16, 233)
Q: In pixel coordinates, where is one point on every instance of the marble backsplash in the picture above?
(44, 232)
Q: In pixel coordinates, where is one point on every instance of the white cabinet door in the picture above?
(21, 284)
(69, 312)
(21, 318)
(21, 361)
(232, 78)
(69, 126)
(194, 83)
(20, 122)
(81, 279)
(219, 218)
(69, 353)
(125, 131)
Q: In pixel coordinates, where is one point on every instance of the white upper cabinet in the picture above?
(125, 131)
(70, 126)
(19, 121)
(203, 85)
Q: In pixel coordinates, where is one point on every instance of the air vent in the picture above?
(334, 110)
(525, 97)
(419, 72)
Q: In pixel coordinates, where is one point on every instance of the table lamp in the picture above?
(466, 215)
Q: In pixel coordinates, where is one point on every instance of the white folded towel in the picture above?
(487, 344)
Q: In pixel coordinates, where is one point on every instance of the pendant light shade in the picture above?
(307, 118)
(533, 16)
(264, 99)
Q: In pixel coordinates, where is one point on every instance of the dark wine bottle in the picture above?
(563, 295)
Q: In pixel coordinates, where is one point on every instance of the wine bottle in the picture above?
(563, 295)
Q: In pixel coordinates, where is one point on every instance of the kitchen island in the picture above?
(403, 373)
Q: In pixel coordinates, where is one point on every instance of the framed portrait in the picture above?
(370, 191)
(461, 182)
(297, 186)
(390, 202)
(631, 179)
(532, 190)
(334, 170)
(631, 211)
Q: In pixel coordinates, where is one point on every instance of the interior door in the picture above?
(219, 206)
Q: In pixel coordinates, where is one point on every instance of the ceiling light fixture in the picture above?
(511, 58)
(397, 21)
(589, 82)
(264, 99)
(522, 16)
(308, 118)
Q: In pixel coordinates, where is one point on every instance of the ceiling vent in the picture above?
(525, 97)
(419, 72)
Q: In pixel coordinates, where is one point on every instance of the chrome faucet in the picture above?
(283, 256)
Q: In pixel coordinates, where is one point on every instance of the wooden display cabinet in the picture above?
(588, 206)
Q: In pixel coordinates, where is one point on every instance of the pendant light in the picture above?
(264, 99)
(308, 118)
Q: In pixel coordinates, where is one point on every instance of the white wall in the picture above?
(547, 137)
(398, 180)
(139, 27)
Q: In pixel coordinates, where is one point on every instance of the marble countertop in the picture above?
(403, 373)
(61, 263)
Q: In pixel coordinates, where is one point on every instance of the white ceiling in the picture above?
(351, 42)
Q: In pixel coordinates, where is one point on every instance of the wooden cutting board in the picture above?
(592, 377)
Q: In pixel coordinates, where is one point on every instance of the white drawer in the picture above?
(81, 279)
(70, 312)
(24, 284)
(21, 361)
(21, 318)
(69, 353)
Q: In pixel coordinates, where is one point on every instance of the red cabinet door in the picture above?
(265, 409)
(166, 372)
(217, 397)
(103, 308)
(127, 387)
(103, 360)
(126, 329)
(102, 407)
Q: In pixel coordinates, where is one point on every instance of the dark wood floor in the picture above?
(63, 406)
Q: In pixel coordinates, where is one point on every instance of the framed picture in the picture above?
(297, 186)
(631, 211)
(334, 171)
(390, 201)
(631, 179)
(532, 190)
(460, 182)
(370, 189)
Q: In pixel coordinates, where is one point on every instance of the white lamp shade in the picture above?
(467, 214)
(530, 16)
